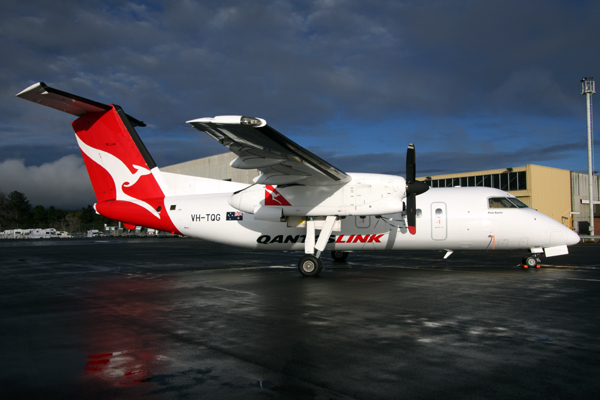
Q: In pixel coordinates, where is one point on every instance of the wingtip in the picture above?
(412, 230)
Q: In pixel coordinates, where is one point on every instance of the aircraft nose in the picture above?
(572, 237)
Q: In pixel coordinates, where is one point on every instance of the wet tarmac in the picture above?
(183, 318)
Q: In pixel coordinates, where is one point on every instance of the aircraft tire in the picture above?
(310, 265)
(339, 256)
(530, 261)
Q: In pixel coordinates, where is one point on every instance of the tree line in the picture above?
(17, 213)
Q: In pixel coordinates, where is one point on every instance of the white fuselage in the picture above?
(447, 218)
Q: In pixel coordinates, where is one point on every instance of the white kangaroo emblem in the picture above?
(273, 194)
(120, 174)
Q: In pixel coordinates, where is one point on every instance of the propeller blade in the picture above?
(411, 212)
(411, 164)
(413, 188)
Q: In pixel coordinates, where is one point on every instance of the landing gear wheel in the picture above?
(530, 261)
(339, 256)
(310, 265)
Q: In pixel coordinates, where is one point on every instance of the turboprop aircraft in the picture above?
(299, 201)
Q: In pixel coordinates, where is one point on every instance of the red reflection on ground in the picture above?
(122, 368)
(121, 329)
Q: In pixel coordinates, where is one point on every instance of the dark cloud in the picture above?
(455, 77)
(445, 162)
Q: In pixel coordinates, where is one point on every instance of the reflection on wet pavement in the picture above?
(173, 318)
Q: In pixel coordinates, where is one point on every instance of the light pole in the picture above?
(588, 88)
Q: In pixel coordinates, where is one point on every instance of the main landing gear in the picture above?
(310, 265)
(339, 256)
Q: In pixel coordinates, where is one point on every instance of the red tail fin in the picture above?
(113, 158)
(122, 172)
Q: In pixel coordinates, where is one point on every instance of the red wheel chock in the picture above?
(525, 266)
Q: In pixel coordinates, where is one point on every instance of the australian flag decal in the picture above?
(235, 216)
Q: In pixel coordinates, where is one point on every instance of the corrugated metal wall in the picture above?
(550, 191)
(580, 191)
(215, 167)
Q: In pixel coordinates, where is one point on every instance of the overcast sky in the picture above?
(474, 84)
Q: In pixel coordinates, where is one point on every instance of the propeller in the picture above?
(413, 188)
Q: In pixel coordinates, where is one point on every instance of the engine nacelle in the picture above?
(365, 194)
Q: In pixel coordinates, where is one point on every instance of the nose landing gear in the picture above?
(531, 261)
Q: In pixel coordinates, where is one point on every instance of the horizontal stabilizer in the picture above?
(72, 104)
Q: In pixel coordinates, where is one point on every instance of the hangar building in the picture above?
(214, 167)
(555, 192)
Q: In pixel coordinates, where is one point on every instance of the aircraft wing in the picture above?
(257, 145)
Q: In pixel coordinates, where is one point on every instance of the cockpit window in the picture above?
(517, 202)
(505, 202)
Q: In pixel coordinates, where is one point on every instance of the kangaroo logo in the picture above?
(274, 198)
(120, 174)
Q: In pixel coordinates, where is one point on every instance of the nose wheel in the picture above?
(531, 261)
(310, 265)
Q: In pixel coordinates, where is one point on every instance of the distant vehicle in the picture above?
(16, 234)
(94, 233)
(42, 233)
(299, 202)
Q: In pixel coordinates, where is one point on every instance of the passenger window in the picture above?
(419, 213)
(439, 212)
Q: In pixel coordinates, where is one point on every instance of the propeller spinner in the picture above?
(413, 188)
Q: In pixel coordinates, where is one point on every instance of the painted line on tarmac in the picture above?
(583, 279)
(481, 270)
(572, 267)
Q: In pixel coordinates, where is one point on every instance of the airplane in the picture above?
(299, 202)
